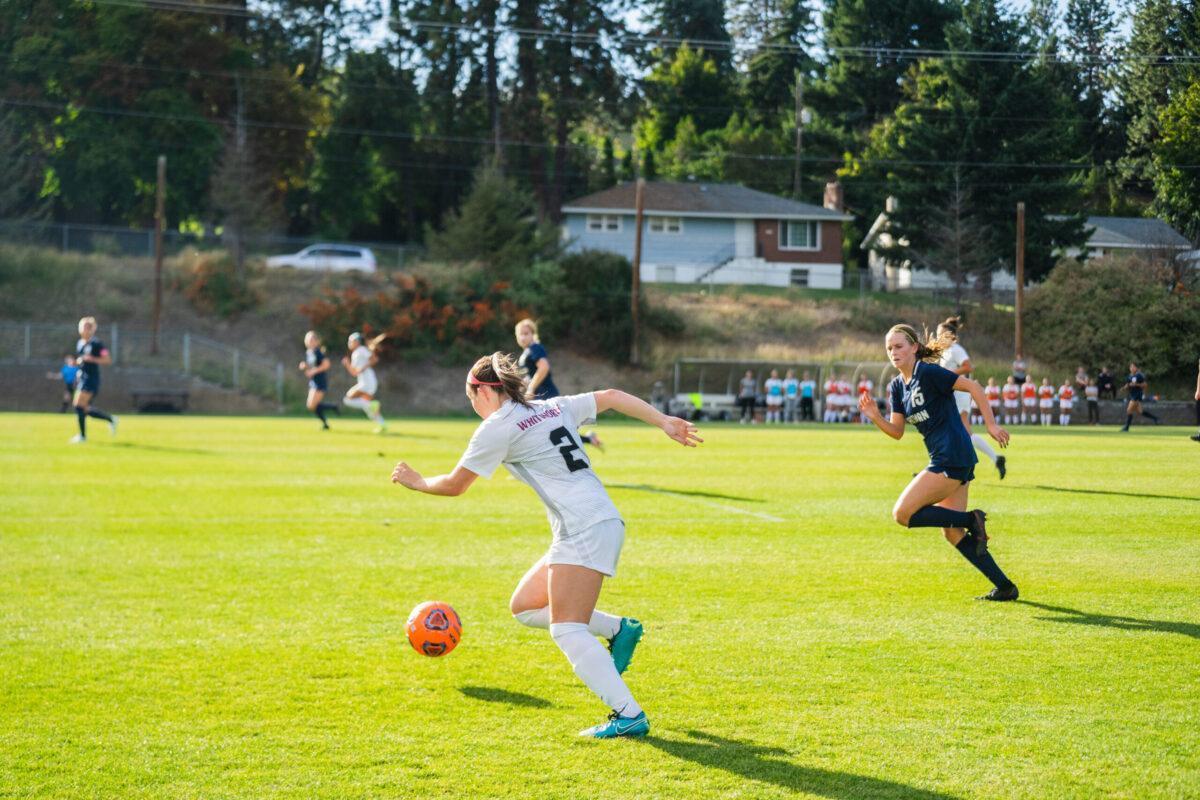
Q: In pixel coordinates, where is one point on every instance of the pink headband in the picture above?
(472, 380)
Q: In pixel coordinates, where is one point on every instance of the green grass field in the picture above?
(214, 608)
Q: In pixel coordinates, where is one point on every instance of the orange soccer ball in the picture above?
(433, 628)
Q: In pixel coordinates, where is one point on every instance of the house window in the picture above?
(606, 223)
(799, 235)
(666, 225)
(799, 277)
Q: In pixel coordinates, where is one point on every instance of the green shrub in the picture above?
(210, 282)
(1113, 311)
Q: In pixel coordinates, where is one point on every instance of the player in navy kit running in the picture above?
(923, 395)
(315, 367)
(536, 363)
(1136, 385)
(90, 355)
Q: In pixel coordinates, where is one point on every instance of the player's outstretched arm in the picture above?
(678, 429)
(893, 427)
(972, 387)
(452, 485)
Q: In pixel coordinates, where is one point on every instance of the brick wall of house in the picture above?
(766, 233)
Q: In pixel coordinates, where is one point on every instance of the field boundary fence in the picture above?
(179, 353)
(113, 240)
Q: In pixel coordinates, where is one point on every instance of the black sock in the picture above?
(983, 562)
(320, 412)
(1128, 420)
(938, 517)
(1149, 415)
(82, 415)
(334, 407)
(98, 414)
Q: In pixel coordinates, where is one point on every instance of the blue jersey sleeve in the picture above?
(536, 354)
(896, 393)
(941, 379)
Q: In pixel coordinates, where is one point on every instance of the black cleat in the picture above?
(1195, 437)
(998, 595)
(1002, 466)
(978, 529)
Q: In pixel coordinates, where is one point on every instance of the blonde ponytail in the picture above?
(932, 348)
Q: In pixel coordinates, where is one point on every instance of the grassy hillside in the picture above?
(728, 322)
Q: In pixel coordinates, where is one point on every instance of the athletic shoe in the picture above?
(1195, 437)
(999, 595)
(1002, 466)
(624, 643)
(77, 439)
(978, 529)
(619, 726)
(381, 428)
(1125, 429)
(112, 425)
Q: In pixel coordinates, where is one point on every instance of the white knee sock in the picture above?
(982, 446)
(357, 402)
(603, 625)
(594, 666)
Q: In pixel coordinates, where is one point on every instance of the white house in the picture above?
(715, 233)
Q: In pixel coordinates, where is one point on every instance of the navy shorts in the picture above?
(960, 474)
(91, 385)
(319, 383)
(1135, 397)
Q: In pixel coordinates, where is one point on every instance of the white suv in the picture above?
(334, 257)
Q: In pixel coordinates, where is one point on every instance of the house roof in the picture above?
(1136, 232)
(701, 200)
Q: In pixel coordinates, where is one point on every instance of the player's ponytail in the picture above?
(500, 372)
(951, 326)
(930, 349)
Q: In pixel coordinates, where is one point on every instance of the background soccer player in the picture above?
(923, 395)
(535, 440)
(360, 364)
(536, 363)
(90, 355)
(315, 367)
(1135, 384)
(955, 359)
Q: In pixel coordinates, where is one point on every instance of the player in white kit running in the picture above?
(536, 441)
(955, 359)
(361, 366)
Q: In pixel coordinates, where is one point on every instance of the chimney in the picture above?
(833, 197)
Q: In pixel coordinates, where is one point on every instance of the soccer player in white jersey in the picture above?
(536, 441)
(360, 364)
(955, 359)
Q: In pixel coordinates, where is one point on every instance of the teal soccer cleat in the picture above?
(624, 643)
(617, 726)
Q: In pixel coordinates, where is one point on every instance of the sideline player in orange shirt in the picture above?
(1029, 412)
(1066, 400)
(1012, 401)
(1046, 400)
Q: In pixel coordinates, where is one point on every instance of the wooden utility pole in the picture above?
(639, 208)
(160, 199)
(799, 134)
(1019, 304)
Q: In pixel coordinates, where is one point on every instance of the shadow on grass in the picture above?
(769, 765)
(158, 448)
(1074, 617)
(645, 487)
(1101, 492)
(491, 694)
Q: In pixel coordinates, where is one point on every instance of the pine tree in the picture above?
(701, 23)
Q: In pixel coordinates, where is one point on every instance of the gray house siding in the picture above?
(702, 241)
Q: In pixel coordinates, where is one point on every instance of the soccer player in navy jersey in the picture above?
(90, 355)
(1135, 384)
(315, 367)
(536, 363)
(923, 395)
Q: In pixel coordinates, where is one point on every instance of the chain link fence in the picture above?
(179, 354)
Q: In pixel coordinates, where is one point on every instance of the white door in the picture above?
(743, 238)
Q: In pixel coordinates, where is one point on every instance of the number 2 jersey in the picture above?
(539, 445)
